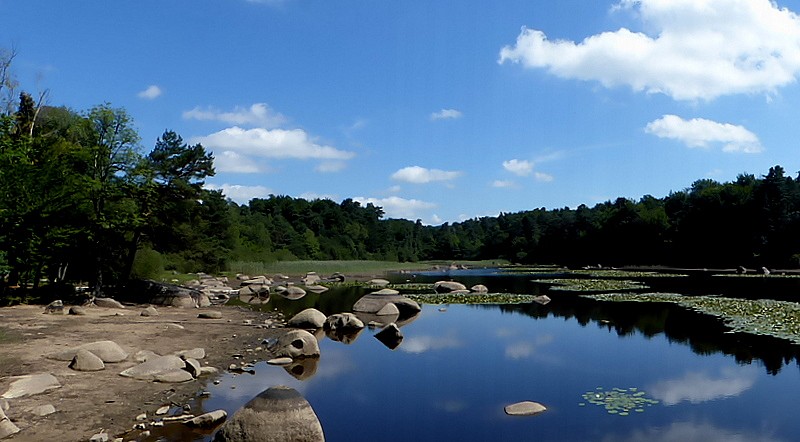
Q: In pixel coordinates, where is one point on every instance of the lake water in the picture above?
(458, 366)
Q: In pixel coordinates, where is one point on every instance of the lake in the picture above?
(606, 371)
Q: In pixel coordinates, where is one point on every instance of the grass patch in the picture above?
(594, 285)
(780, 319)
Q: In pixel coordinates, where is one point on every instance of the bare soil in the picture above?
(88, 402)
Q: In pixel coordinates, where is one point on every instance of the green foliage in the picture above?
(148, 264)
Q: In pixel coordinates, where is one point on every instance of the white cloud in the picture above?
(421, 175)
(435, 219)
(692, 50)
(310, 196)
(500, 184)
(699, 132)
(396, 207)
(447, 114)
(228, 161)
(543, 177)
(258, 114)
(151, 93)
(394, 189)
(274, 143)
(421, 344)
(518, 167)
(700, 387)
(331, 166)
(241, 194)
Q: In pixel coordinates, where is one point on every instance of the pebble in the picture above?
(163, 410)
(142, 417)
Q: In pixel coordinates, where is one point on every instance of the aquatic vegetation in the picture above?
(534, 269)
(594, 285)
(780, 319)
(597, 273)
(619, 401)
(471, 298)
(416, 286)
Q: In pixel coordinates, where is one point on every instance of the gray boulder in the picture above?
(316, 288)
(378, 282)
(374, 302)
(208, 420)
(211, 314)
(526, 408)
(309, 318)
(85, 360)
(7, 428)
(77, 310)
(277, 414)
(148, 371)
(149, 311)
(195, 353)
(448, 286)
(390, 336)
(175, 375)
(343, 321)
(311, 278)
(29, 385)
(388, 310)
(107, 351)
(480, 288)
(108, 303)
(296, 344)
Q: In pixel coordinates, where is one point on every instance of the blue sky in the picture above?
(437, 110)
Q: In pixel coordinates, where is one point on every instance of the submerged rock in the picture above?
(277, 414)
(526, 408)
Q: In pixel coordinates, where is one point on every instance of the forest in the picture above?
(81, 202)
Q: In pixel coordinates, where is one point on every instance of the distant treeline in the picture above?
(80, 202)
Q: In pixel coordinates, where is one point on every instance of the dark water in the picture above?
(456, 369)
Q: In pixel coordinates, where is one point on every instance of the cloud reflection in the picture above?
(698, 387)
(690, 432)
(421, 344)
(526, 349)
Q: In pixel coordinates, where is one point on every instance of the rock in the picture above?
(386, 292)
(296, 344)
(293, 293)
(308, 318)
(337, 277)
(316, 288)
(162, 294)
(205, 371)
(175, 375)
(85, 360)
(141, 417)
(99, 437)
(56, 308)
(77, 310)
(343, 321)
(378, 282)
(276, 414)
(208, 420)
(212, 314)
(311, 278)
(145, 355)
(7, 428)
(388, 309)
(108, 351)
(302, 369)
(448, 286)
(542, 299)
(108, 303)
(162, 410)
(526, 408)
(763, 271)
(193, 367)
(3, 405)
(260, 280)
(390, 336)
(148, 370)
(741, 270)
(149, 311)
(479, 288)
(195, 353)
(43, 410)
(280, 361)
(373, 303)
(30, 385)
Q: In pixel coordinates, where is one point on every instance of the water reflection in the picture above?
(697, 387)
(692, 432)
(527, 349)
(425, 343)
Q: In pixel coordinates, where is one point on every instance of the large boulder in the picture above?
(479, 288)
(155, 367)
(295, 344)
(342, 322)
(308, 318)
(448, 286)
(85, 360)
(29, 385)
(277, 414)
(108, 303)
(162, 294)
(390, 336)
(374, 302)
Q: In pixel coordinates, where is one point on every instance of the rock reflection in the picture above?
(276, 414)
(345, 336)
(302, 369)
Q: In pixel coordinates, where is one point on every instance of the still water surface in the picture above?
(458, 366)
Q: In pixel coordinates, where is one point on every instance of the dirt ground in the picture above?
(88, 402)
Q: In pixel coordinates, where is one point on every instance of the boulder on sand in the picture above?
(308, 318)
(108, 351)
(85, 360)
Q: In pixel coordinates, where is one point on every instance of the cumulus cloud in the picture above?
(310, 196)
(696, 388)
(258, 114)
(241, 194)
(518, 167)
(151, 93)
(542, 177)
(692, 50)
(228, 161)
(702, 133)
(274, 143)
(396, 207)
(446, 114)
(421, 175)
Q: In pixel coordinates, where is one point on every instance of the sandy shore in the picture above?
(88, 402)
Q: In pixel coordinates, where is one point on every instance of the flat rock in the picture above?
(211, 314)
(175, 375)
(108, 303)
(149, 311)
(43, 410)
(204, 371)
(77, 310)
(448, 286)
(147, 371)
(7, 428)
(145, 355)
(526, 408)
(195, 353)
(479, 288)
(373, 303)
(30, 385)
(542, 299)
(280, 361)
(208, 420)
(378, 282)
(107, 351)
(84, 360)
(316, 288)
(386, 292)
(293, 293)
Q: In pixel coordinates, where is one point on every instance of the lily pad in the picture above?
(619, 401)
